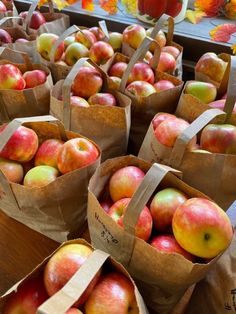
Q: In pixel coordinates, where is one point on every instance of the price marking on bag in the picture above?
(105, 233)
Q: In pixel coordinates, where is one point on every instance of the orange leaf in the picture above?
(88, 5)
(109, 6)
(210, 7)
(194, 16)
(223, 32)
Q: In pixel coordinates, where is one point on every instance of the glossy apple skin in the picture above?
(212, 66)
(163, 85)
(101, 52)
(44, 44)
(74, 52)
(22, 145)
(86, 38)
(166, 63)
(73, 310)
(141, 89)
(77, 101)
(21, 40)
(168, 131)
(102, 99)
(36, 21)
(160, 118)
(141, 72)
(40, 176)
(12, 170)
(220, 104)
(114, 83)
(163, 206)
(205, 92)
(76, 153)
(34, 78)
(124, 182)
(166, 243)
(118, 69)
(5, 37)
(171, 50)
(27, 298)
(115, 40)
(219, 138)
(114, 294)
(97, 32)
(47, 153)
(202, 228)
(3, 8)
(11, 77)
(87, 82)
(160, 38)
(143, 227)
(63, 265)
(133, 35)
(148, 57)
(68, 41)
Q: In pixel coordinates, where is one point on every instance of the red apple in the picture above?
(168, 131)
(212, 66)
(40, 176)
(76, 153)
(133, 35)
(29, 296)
(86, 38)
(3, 8)
(11, 77)
(166, 63)
(87, 82)
(102, 99)
(77, 101)
(141, 89)
(163, 206)
(21, 40)
(124, 182)
(22, 145)
(97, 32)
(118, 69)
(160, 117)
(202, 228)
(12, 170)
(163, 85)
(114, 294)
(166, 243)
(141, 72)
(106, 204)
(115, 40)
(171, 50)
(34, 78)
(143, 227)
(114, 83)
(101, 52)
(36, 21)
(73, 310)
(5, 37)
(160, 38)
(220, 104)
(63, 265)
(205, 92)
(68, 41)
(219, 138)
(44, 44)
(48, 152)
(74, 52)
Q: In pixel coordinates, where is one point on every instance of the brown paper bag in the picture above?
(216, 293)
(27, 102)
(190, 107)
(107, 126)
(57, 210)
(60, 302)
(143, 109)
(129, 51)
(162, 278)
(11, 10)
(212, 174)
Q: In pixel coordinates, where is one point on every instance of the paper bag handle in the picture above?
(159, 25)
(152, 179)
(138, 55)
(14, 53)
(72, 29)
(231, 90)
(14, 124)
(183, 139)
(31, 10)
(60, 302)
(102, 24)
(8, 18)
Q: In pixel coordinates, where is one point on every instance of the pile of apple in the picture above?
(171, 222)
(85, 43)
(5, 38)
(109, 292)
(141, 81)
(133, 36)
(23, 160)
(12, 78)
(4, 5)
(215, 138)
